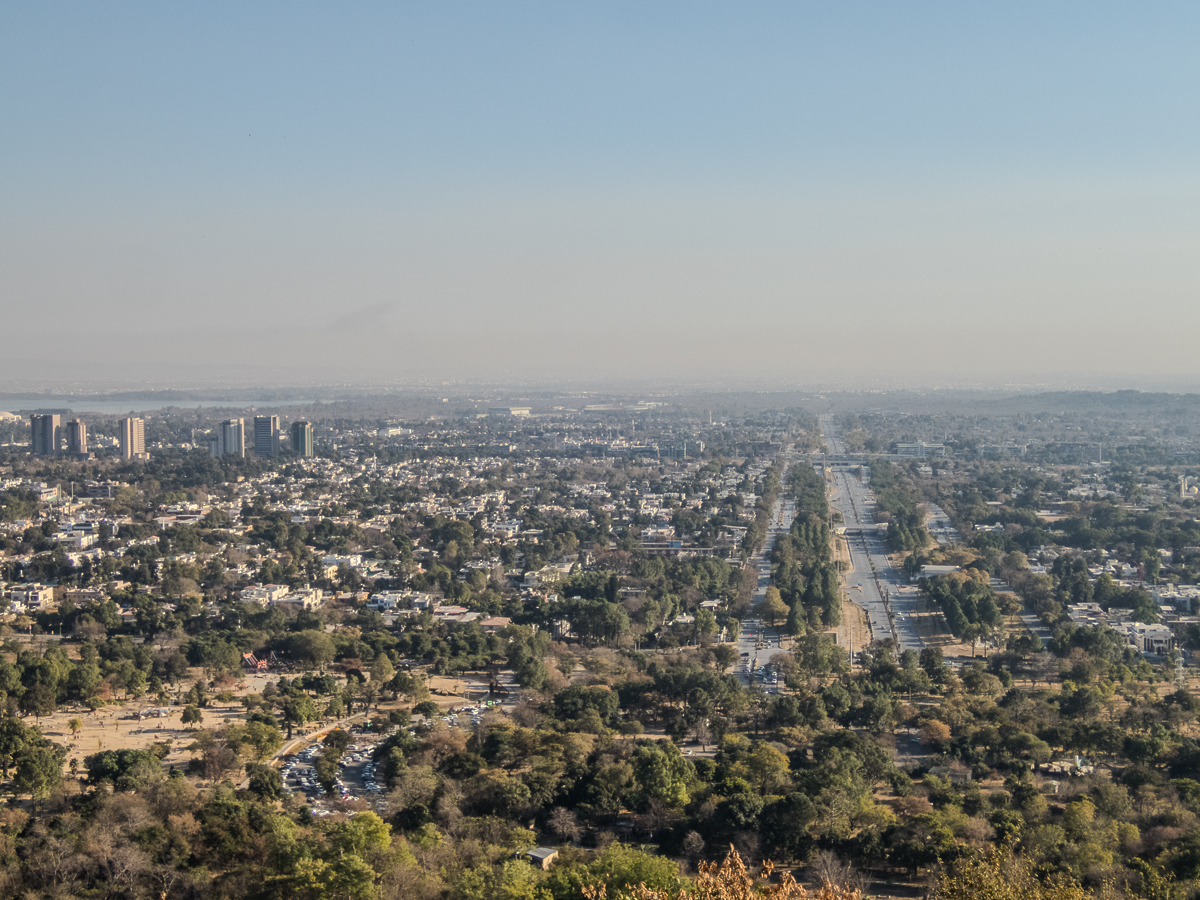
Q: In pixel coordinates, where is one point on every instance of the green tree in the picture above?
(769, 767)
(619, 869)
(772, 608)
(39, 770)
(382, 670)
(38, 701)
(428, 709)
(314, 649)
(297, 711)
(662, 774)
(265, 781)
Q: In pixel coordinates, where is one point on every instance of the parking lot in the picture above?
(357, 770)
(356, 779)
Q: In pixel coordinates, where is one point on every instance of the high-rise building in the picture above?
(133, 438)
(266, 435)
(77, 437)
(233, 437)
(47, 434)
(302, 438)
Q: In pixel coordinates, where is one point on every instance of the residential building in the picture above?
(266, 435)
(230, 439)
(47, 434)
(25, 597)
(133, 438)
(77, 442)
(264, 594)
(303, 598)
(302, 438)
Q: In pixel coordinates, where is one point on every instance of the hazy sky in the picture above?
(957, 190)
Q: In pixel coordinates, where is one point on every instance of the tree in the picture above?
(727, 880)
(297, 711)
(1002, 876)
(74, 725)
(382, 670)
(38, 701)
(361, 835)
(663, 773)
(39, 770)
(265, 781)
(935, 734)
(706, 623)
(428, 709)
(772, 608)
(312, 648)
(191, 715)
(565, 824)
(326, 769)
(725, 655)
(693, 845)
(258, 738)
(409, 686)
(334, 709)
(623, 872)
(769, 768)
(120, 767)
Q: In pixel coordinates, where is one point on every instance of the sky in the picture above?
(730, 193)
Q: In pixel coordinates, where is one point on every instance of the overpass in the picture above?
(874, 528)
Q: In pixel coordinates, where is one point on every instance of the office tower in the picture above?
(266, 435)
(233, 438)
(133, 438)
(302, 438)
(77, 437)
(47, 434)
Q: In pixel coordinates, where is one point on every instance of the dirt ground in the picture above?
(853, 633)
(107, 729)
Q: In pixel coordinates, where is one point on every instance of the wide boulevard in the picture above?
(874, 584)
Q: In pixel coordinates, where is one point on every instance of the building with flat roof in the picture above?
(77, 439)
(133, 438)
(919, 449)
(542, 857)
(302, 438)
(47, 434)
(266, 435)
(230, 439)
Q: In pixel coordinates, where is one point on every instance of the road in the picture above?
(873, 580)
(756, 642)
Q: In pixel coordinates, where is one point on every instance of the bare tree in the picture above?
(693, 845)
(219, 760)
(831, 869)
(565, 824)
